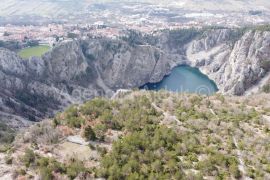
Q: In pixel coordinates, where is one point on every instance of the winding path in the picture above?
(240, 158)
(167, 116)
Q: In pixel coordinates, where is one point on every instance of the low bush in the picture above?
(89, 134)
(266, 88)
(42, 133)
(8, 159)
(29, 157)
(74, 168)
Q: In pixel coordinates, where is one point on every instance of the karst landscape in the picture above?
(134, 90)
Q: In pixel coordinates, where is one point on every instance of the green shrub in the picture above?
(56, 122)
(8, 159)
(251, 173)
(193, 157)
(21, 172)
(4, 148)
(47, 166)
(72, 112)
(89, 134)
(74, 168)
(133, 155)
(206, 167)
(75, 122)
(29, 157)
(72, 118)
(95, 107)
(235, 171)
(46, 173)
(267, 169)
(100, 130)
(266, 88)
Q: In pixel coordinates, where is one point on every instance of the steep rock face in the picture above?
(76, 71)
(234, 66)
(10, 63)
(121, 65)
(65, 62)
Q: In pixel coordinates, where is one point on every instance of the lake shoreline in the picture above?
(185, 78)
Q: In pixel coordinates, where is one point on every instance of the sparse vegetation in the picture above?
(159, 135)
(42, 133)
(266, 88)
(47, 167)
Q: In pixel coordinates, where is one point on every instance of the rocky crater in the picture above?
(76, 71)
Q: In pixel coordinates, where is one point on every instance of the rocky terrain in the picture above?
(235, 65)
(79, 70)
(74, 72)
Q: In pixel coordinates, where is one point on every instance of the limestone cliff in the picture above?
(235, 66)
(76, 71)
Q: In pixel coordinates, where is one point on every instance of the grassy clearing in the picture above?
(34, 51)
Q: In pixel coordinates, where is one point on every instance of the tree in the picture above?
(89, 133)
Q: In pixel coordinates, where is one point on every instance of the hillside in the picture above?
(147, 135)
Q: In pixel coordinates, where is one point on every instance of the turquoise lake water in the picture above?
(185, 79)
